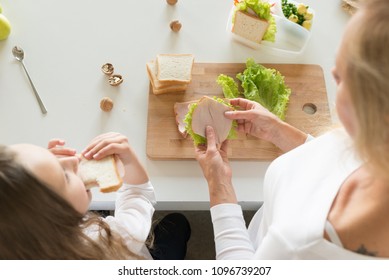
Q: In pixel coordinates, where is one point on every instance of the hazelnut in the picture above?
(107, 68)
(171, 2)
(106, 104)
(175, 25)
(115, 80)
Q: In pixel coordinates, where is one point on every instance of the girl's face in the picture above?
(60, 174)
(344, 107)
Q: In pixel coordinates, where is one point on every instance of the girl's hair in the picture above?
(37, 223)
(367, 78)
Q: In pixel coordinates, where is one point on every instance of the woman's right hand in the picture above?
(256, 120)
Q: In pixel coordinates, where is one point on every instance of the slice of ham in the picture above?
(180, 110)
(210, 112)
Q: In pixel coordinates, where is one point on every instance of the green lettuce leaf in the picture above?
(265, 86)
(229, 86)
(262, 10)
(197, 139)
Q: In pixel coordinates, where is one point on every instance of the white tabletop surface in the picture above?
(67, 42)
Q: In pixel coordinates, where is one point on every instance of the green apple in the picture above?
(1, 9)
(5, 27)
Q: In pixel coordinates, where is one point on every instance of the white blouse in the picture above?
(134, 209)
(299, 189)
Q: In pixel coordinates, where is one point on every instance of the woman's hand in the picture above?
(57, 147)
(117, 144)
(256, 120)
(216, 169)
(253, 118)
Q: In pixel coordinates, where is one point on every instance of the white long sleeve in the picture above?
(134, 210)
(299, 189)
(231, 236)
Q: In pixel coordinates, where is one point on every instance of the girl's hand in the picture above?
(109, 144)
(57, 147)
(113, 143)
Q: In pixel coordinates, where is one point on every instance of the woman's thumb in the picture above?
(210, 133)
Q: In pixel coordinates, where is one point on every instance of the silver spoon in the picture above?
(18, 53)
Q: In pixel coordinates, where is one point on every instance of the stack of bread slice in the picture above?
(170, 72)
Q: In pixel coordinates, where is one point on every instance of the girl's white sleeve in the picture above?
(231, 237)
(134, 209)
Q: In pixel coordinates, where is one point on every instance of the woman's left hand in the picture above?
(216, 169)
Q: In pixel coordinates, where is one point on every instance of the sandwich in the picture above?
(209, 112)
(253, 21)
(180, 111)
(103, 173)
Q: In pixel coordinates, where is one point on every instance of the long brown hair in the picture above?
(367, 76)
(37, 223)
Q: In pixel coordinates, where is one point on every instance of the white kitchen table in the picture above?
(67, 42)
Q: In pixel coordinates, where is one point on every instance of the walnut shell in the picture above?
(171, 2)
(107, 69)
(106, 104)
(175, 25)
(115, 80)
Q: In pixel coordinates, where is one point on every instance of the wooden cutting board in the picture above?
(164, 142)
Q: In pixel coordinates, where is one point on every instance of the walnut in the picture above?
(106, 104)
(175, 25)
(115, 80)
(107, 69)
(171, 2)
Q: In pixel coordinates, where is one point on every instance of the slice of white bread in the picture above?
(162, 87)
(249, 26)
(169, 90)
(175, 67)
(152, 71)
(101, 173)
